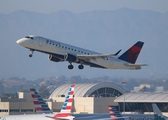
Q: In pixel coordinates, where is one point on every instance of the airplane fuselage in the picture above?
(59, 52)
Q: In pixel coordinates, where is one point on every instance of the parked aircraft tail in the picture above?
(132, 53)
(67, 105)
(39, 103)
(115, 114)
(157, 113)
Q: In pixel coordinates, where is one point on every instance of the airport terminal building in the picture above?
(90, 98)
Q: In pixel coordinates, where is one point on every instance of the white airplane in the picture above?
(65, 113)
(59, 52)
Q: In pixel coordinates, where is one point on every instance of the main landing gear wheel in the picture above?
(80, 66)
(31, 53)
(70, 67)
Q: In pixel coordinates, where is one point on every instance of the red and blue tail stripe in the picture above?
(114, 114)
(39, 103)
(67, 106)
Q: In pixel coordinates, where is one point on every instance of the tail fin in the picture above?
(157, 113)
(114, 114)
(132, 53)
(67, 105)
(39, 103)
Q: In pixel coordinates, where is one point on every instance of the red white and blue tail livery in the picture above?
(115, 114)
(67, 106)
(39, 103)
(65, 113)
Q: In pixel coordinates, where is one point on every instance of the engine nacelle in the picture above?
(71, 58)
(54, 58)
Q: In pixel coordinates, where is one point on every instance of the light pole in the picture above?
(124, 83)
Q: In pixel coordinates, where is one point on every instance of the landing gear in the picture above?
(81, 66)
(70, 66)
(31, 53)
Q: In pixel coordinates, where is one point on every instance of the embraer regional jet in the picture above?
(59, 52)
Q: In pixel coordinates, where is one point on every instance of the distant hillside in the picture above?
(102, 31)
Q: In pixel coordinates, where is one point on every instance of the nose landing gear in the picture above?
(31, 53)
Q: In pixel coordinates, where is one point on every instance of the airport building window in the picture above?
(3, 110)
(142, 107)
(105, 92)
(27, 110)
(14, 110)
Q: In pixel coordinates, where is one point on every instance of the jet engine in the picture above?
(54, 58)
(71, 58)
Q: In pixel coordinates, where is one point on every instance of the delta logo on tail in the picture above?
(132, 53)
(39, 103)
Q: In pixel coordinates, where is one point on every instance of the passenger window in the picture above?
(31, 38)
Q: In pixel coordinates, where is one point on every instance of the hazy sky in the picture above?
(77, 6)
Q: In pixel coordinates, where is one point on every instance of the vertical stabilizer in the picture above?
(114, 113)
(157, 113)
(67, 105)
(132, 53)
(39, 103)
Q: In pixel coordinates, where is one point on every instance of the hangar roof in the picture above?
(143, 97)
(84, 90)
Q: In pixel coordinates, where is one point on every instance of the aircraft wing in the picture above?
(94, 56)
(136, 65)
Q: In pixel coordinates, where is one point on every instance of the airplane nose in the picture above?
(20, 41)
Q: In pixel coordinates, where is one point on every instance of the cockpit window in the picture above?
(29, 37)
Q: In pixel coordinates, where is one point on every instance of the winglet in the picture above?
(117, 52)
(132, 53)
(67, 105)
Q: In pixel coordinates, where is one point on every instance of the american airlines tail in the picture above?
(114, 114)
(157, 113)
(67, 105)
(39, 103)
(132, 53)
